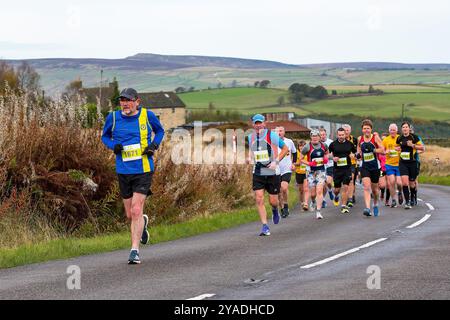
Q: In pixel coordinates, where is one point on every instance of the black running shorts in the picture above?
(408, 169)
(342, 176)
(286, 177)
(299, 178)
(271, 184)
(135, 183)
(374, 175)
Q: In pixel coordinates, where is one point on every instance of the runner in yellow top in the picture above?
(392, 169)
(300, 178)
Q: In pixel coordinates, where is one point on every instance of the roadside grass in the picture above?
(443, 181)
(65, 248)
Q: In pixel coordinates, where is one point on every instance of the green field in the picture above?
(55, 80)
(428, 106)
(244, 100)
(422, 105)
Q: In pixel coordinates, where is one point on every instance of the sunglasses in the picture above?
(125, 99)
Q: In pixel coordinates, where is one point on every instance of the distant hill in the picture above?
(149, 61)
(154, 72)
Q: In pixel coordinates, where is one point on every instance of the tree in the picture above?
(180, 90)
(281, 101)
(334, 93)
(300, 88)
(73, 88)
(219, 85)
(256, 84)
(371, 89)
(7, 77)
(319, 92)
(115, 95)
(264, 84)
(191, 89)
(211, 106)
(295, 87)
(28, 78)
(296, 98)
(234, 84)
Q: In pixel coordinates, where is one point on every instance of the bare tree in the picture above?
(28, 78)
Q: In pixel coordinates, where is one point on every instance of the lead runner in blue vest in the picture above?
(128, 132)
(263, 145)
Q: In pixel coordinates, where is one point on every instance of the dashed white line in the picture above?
(427, 216)
(203, 296)
(340, 255)
(429, 206)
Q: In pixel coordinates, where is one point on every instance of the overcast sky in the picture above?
(290, 31)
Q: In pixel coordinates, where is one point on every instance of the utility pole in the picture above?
(99, 107)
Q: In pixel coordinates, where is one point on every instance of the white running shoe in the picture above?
(318, 215)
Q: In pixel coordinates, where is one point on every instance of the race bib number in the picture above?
(368, 157)
(393, 153)
(342, 162)
(261, 156)
(405, 155)
(319, 161)
(132, 152)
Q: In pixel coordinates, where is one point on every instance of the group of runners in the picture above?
(386, 165)
(322, 167)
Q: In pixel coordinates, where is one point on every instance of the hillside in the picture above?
(152, 72)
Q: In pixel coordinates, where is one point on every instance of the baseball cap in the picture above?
(258, 117)
(129, 93)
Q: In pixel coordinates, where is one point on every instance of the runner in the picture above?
(368, 146)
(128, 133)
(382, 182)
(300, 178)
(341, 149)
(317, 157)
(351, 188)
(409, 144)
(328, 167)
(264, 145)
(417, 154)
(394, 181)
(286, 167)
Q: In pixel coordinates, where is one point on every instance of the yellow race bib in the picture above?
(368, 157)
(405, 155)
(132, 152)
(261, 156)
(342, 162)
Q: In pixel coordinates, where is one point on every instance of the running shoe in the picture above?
(134, 257)
(330, 193)
(400, 198)
(145, 235)
(275, 216)
(375, 211)
(367, 213)
(284, 212)
(394, 204)
(387, 203)
(350, 204)
(265, 231)
(324, 204)
(344, 209)
(408, 205)
(312, 206)
(336, 201)
(305, 206)
(318, 215)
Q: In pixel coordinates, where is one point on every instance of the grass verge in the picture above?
(443, 181)
(66, 248)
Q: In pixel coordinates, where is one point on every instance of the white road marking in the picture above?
(427, 216)
(429, 206)
(418, 199)
(203, 296)
(340, 255)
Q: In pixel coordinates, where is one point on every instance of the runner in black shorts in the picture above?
(368, 146)
(409, 144)
(264, 145)
(341, 149)
(351, 188)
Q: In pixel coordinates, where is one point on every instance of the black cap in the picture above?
(129, 93)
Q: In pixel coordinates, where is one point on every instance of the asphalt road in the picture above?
(304, 258)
